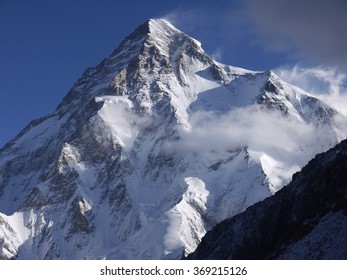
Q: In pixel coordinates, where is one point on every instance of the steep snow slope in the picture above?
(142, 156)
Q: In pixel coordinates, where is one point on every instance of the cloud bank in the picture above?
(260, 130)
(280, 145)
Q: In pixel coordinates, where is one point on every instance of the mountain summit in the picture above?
(150, 149)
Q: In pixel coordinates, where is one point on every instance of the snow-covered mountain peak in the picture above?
(162, 30)
(148, 150)
(158, 34)
(158, 27)
(147, 66)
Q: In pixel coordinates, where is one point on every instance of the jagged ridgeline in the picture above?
(152, 148)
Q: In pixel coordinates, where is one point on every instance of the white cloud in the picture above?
(327, 83)
(259, 129)
(280, 144)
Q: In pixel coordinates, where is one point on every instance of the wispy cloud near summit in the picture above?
(327, 83)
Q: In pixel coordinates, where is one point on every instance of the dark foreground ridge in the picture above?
(305, 220)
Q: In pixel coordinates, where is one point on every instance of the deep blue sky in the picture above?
(46, 45)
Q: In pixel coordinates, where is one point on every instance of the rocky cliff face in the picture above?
(124, 169)
(305, 220)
